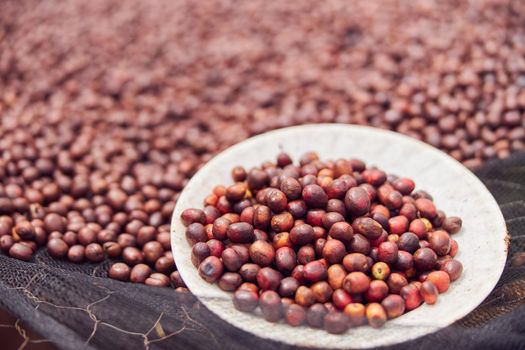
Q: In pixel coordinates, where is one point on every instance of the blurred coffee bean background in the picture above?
(107, 108)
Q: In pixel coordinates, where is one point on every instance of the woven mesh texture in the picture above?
(75, 306)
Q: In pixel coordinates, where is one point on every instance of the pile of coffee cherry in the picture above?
(331, 244)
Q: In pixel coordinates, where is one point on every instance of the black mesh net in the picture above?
(75, 306)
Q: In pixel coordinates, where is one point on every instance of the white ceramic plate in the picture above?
(482, 241)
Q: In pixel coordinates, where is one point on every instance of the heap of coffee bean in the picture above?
(103, 119)
(143, 247)
(450, 72)
(86, 199)
(331, 244)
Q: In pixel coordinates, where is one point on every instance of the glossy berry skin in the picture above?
(336, 322)
(271, 306)
(454, 268)
(375, 315)
(356, 283)
(440, 279)
(429, 292)
(410, 293)
(245, 300)
(387, 252)
(394, 305)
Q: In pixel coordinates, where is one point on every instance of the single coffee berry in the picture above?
(119, 271)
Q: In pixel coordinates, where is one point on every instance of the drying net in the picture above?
(76, 306)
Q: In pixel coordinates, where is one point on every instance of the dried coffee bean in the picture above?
(157, 280)
(131, 256)
(315, 315)
(153, 251)
(261, 217)
(257, 179)
(337, 189)
(231, 259)
(356, 313)
(342, 231)
(404, 186)
(112, 249)
(375, 315)
(211, 269)
(238, 173)
(426, 208)
(368, 227)
(405, 261)
(380, 271)
(240, 232)
(452, 224)
(305, 254)
(297, 208)
(24, 230)
(410, 293)
(249, 271)
(453, 268)
(262, 253)
(230, 281)
(409, 242)
(356, 262)
(119, 271)
(177, 280)
(190, 216)
(334, 251)
(429, 292)
(282, 222)
(245, 301)
(440, 279)
(285, 259)
(440, 242)
(276, 200)
(329, 219)
(335, 276)
(359, 244)
(377, 291)
(199, 252)
(304, 296)
(341, 299)
(95, 253)
(419, 228)
(271, 307)
(357, 201)
(356, 282)
(236, 192)
(76, 253)
(302, 234)
(394, 306)
(6, 242)
(21, 251)
(396, 282)
(288, 287)
(195, 232)
(139, 273)
(220, 228)
(268, 278)
(57, 248)
(336, 322)
(387, 252)
(314, 196)
(425, 259)
(315, 271)
(295, 315)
